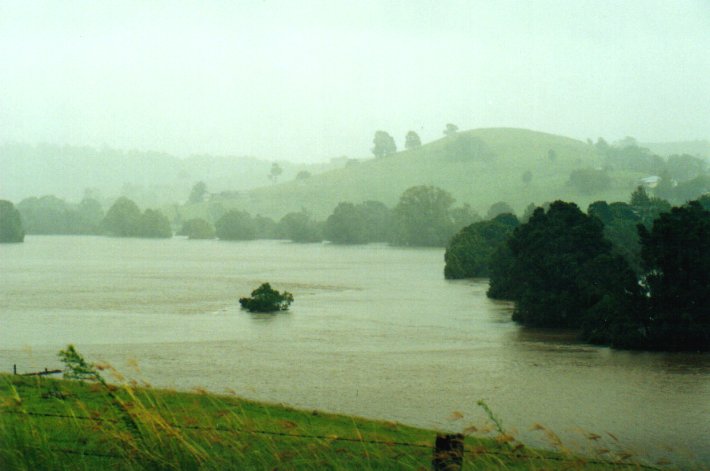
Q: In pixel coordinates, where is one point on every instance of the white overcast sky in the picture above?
(309, 80)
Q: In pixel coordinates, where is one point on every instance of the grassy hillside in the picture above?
(479, 167)
(55, 425)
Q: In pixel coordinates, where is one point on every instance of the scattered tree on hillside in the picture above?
(275, 172)
(589, 181)
(11, 229)
(422, 217)
(552, 155)
(450, 129)
(303, 175)
(198, 193)
(412, 140)
(527, 177)
(501, 207)
(383, 144)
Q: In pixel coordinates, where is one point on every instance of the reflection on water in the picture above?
(374, 331)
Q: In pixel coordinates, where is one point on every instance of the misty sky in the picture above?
(309, 80)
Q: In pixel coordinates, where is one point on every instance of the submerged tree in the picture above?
(267, 299)
(10, 223)
(676, 259)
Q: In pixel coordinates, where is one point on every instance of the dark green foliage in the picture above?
(275, 171)
(558, 268)
(465, 147)
(76, 367)
(266, 299)
(52, 215)
(266, 228)
(11, 229)
(412, 140)
(627, 155)
(153, 224)
(704, 201)
(462, 216)
(450, 129)
(197, 228)
(383, 144)
(346, 225)
(197, 195)
(236, 225)
(300, 227)
(501, 207)
(676, 260)
(527, 177)
(685, 167)
(590, 181)
(378, 220)
(620, 221)
(122, 219)
(469, 253)
(303, 175)
(422, 217)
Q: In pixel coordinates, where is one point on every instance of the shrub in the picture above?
(266, 299)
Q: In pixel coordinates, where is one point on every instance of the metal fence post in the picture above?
(448, 452)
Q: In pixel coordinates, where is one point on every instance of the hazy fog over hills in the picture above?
(311, 80)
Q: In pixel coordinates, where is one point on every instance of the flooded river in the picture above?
(374, 331)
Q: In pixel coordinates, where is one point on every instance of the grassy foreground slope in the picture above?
(53, 424)
(478, 167)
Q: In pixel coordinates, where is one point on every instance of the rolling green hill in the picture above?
(478, 167)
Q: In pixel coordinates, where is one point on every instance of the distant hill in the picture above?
(699, 148)
(150, 178)
(479, 167)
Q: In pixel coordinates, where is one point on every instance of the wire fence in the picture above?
(477, 451)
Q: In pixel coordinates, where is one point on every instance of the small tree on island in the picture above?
(266, 299)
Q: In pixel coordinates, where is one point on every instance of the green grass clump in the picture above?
(53, 424)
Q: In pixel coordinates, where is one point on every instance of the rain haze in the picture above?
(486, 220)
(307, 81)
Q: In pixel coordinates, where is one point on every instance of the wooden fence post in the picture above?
(448, 452)
(14, 369)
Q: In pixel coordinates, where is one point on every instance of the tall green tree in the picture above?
(122, 219)
(300, 227)
(346, 225)
(197, 195)
(422, 217)
(468, 254)
(383, 144)
(676, 260)
(153, 224)
(412, 140)
(562, 267)
(236, 225)
(11, 229)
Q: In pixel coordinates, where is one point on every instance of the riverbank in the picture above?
(59, 424)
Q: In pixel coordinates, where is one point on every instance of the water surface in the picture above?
(374, 331)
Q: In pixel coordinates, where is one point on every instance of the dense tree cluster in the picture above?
(124, 219)
(197, 228)
(300, 227)
(589, 180)
(469, 252)
(562, 270)
(366, 222)
(52, 215)
(11, 229)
